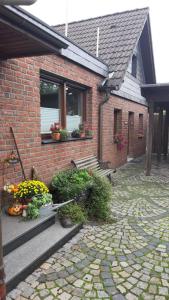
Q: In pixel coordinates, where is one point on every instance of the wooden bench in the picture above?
(92, 163)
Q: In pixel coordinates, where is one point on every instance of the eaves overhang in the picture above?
(156, 92)
(23, 35)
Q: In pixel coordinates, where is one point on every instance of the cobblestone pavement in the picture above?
(125, 260)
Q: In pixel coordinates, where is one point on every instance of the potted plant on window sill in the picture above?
(75, 133)
(82, 130)
(55, 129)
(64, 134)
(88, 132)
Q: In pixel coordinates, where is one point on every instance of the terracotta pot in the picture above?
(56, 136)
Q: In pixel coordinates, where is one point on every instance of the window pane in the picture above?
(140, 125)
(73, 108)
(134, 66)
(117, 121)
(50, 105)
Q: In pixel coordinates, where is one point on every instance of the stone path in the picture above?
(125, 260)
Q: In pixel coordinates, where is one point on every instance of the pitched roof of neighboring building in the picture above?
(118, 37)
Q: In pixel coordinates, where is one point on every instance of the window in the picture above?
(61, 102)
(117, 121)
(134, 66)
(50, 105)
(74, 116)
(140, 124)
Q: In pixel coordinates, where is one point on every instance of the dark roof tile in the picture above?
(119, 34)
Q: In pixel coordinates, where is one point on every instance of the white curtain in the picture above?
(48, 117)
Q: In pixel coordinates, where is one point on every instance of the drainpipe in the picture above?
(100, 127)
(107, 91)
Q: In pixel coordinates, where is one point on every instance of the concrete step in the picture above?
(25, 259)
(16, 231)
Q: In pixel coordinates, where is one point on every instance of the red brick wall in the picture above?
(137, 148)
(20, 108)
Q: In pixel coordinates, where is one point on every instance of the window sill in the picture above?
(50, 141)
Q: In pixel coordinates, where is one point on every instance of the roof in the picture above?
(119, 34)
(149, 90)
(22, 34)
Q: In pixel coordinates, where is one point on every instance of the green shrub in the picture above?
(69, 184)
(98, 203)
(33, 209)
(73, 211)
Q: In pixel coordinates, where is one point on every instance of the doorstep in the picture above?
(26, 252)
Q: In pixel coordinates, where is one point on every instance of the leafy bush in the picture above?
(69, 184)
(97, 204)
(33, 209)
(73, 211)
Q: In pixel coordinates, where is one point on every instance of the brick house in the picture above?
(72, 77)
(45, 78)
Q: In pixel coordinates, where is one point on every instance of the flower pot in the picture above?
(89, 133)
(13, 161)
(63, 138)
(56, 136)
(66, 222)
(82, 134)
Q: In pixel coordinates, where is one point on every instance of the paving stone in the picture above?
(78, 292)
(14, 294)
(118, 297)
(88, 277)
(142, 285)
(131, 296)
(50, 284)
(164, 291)
(152, 289)
(78, 283)
(91, 294)
(56, 291)
(44, 293)
(49, 298)
(64, 296)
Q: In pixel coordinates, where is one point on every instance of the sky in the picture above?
(58, 11)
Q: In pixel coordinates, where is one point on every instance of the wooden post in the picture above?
(149, 140)
(165, 143)
(160, 129)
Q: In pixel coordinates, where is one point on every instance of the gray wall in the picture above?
(130, 88)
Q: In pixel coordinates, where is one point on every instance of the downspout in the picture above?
(100, 127)
(100, 121)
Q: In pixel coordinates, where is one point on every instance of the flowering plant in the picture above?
(12, 158)
(120, 141)
(55, 127)
(88, 132)
(29, 188)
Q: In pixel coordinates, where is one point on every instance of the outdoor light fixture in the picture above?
(17, 2)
